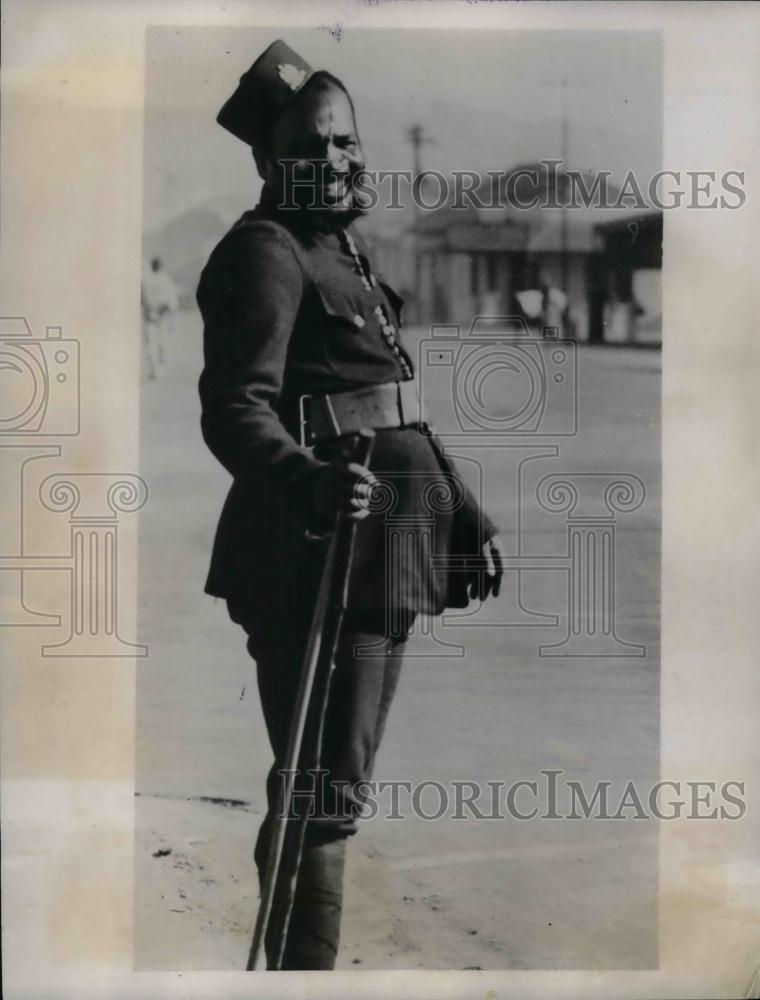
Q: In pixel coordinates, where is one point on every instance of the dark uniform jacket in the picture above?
(286, 314)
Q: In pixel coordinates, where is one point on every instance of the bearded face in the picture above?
(313, 153)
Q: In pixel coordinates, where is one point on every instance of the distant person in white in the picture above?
(544, 306)
(159, 299)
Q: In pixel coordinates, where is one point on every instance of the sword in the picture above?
(286, 840)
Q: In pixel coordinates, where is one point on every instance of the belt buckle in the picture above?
(304, 430)
(410, 408)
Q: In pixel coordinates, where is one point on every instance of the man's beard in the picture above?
(310, 210)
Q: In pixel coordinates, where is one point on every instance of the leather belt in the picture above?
(391, 404)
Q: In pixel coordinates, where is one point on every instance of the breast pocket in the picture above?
(352, 346)
(345, 313)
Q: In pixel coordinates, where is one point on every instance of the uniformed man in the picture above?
(301, 349)
(159, 298)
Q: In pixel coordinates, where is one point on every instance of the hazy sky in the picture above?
(488, 99)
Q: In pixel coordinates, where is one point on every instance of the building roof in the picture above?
(534, 230)
(646, 220)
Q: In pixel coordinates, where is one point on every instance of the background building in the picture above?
(466, 261)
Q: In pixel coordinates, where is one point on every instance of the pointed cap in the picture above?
(276, 77)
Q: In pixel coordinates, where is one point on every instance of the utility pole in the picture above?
(416, 136)
(562, 185)
(563, 218)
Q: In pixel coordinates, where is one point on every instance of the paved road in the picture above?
(490, 893)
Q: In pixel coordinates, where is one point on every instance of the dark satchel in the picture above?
(471, 529)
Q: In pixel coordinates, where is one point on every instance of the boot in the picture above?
(314, 930)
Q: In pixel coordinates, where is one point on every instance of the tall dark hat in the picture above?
(264, 90)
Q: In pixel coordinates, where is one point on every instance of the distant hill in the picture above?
(184, 242)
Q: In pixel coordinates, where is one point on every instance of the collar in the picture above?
(305, 222)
